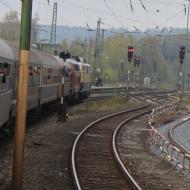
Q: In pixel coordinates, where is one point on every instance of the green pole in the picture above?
(22, 90)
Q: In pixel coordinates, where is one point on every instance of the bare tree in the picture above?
(10, 27)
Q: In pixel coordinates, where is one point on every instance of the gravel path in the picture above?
(150, 171)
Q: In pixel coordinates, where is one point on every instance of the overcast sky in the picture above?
(114, 13)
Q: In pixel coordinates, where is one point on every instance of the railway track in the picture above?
(174, 141)
(96, 163)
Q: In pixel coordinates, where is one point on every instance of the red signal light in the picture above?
(130, 53)
(130, 49)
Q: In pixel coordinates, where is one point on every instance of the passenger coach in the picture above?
(44, 80)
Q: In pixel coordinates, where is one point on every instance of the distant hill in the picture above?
(71, 33)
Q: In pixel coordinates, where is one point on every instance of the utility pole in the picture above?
(22, 89)
(188, 81)
(85, 48)
(53, 29)
(89, 51)
(97, 50)
(187, 28)
(121, 46)
(187, 32)
(102, 50)
(121, 71)
(130, 56)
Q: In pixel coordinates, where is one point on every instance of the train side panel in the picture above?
(6, 64)
(50, 85)
(85, 85)
(5, 99)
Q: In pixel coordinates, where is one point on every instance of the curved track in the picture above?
(93, 165)
(173, 139)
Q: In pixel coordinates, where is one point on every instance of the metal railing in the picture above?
(171, 152)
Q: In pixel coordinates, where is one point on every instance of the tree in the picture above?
(11, 17)
(10, 27)
(65, 45)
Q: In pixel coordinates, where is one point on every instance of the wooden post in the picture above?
(22, 89)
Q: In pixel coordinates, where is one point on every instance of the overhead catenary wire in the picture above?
(113, 13)
(92, 18)
(9, 7)
(131, 5)
(76, 5)
(143, 6)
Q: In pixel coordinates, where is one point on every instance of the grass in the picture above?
(186, 103)
(109, 104)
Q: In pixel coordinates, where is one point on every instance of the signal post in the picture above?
(181, 57)
(22, 94)
(130, 56)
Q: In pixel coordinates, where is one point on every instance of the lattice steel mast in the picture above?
(53, 29)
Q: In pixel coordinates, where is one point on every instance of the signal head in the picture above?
(182, 53)
(130, 53)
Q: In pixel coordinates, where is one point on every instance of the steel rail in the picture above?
(78, 138)
(174, 141)
(118, 89)
(120, 163)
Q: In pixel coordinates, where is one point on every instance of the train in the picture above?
(45, 74)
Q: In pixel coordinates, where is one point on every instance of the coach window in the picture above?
(30, 70)
(1, 72)
(38, 70)
(6, 69)
(36, 75)
(5, 72)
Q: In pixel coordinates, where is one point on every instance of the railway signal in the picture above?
(130, 53)
(181, 57)
(137, 60)
(182, 54)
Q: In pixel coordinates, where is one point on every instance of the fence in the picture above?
(172, 153)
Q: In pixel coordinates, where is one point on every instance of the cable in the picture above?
(143, 6)
(160, 2)
(131, 5)
(113, 13)
(172, 17)
(76, 10)
(75, 5)
(8, 6)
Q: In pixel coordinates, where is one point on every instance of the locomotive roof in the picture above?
(5, 50)
(72, 61)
